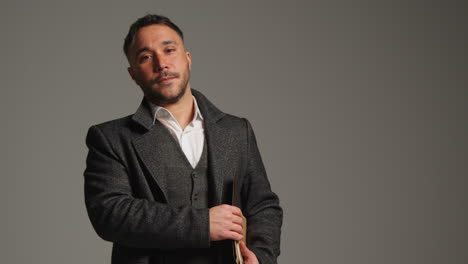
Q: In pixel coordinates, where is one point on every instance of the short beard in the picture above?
(160, 99)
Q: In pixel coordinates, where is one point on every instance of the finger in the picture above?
(236, 228)
(236, 211)
(238, 224)
(246, 253)
(235, 236)
(237, 220)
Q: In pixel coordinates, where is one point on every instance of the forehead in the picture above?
(155, 35)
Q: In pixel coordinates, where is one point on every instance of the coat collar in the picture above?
(210, 112)
(148, 146)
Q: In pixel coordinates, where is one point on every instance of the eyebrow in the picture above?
(141, 50)
(169, 42)
(165, 42)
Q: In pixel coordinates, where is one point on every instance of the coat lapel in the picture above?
(219, 142)
(220, 147)
(150, 148)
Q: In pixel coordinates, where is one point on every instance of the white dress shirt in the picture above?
(191, 139)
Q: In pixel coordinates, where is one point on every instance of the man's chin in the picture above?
(166, 97)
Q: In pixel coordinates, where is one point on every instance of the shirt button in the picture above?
(194, 175)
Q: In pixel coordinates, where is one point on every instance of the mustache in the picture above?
(165, 74)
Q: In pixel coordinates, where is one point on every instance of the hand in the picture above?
(249, 256)
(225, 223)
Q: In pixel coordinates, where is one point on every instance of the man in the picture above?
(159, 184)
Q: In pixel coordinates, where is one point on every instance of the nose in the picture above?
(160, 63)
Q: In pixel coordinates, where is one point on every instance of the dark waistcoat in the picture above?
(187, 186)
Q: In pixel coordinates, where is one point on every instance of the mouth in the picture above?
(166, 79)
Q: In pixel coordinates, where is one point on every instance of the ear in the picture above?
(131, 72)
(189, 59)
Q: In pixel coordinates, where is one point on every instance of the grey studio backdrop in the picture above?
(360, 110)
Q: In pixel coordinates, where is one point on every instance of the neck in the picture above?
(182, 110)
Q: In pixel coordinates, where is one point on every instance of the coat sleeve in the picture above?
(260, 206)
(119, 217)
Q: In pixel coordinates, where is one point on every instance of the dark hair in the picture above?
(147, 21)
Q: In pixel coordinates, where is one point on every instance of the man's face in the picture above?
(159, 64)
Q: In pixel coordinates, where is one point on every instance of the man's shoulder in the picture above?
(119, 123)
(232, 121)
(214, 114)
(115, 129)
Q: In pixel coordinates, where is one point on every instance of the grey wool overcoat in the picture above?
(126, 191)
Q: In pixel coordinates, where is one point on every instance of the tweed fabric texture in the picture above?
(126, 188)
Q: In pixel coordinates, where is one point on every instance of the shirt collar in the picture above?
(156, 109)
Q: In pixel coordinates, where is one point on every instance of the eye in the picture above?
(144, 58)
(170, 50)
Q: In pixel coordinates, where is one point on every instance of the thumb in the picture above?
(246, 253)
